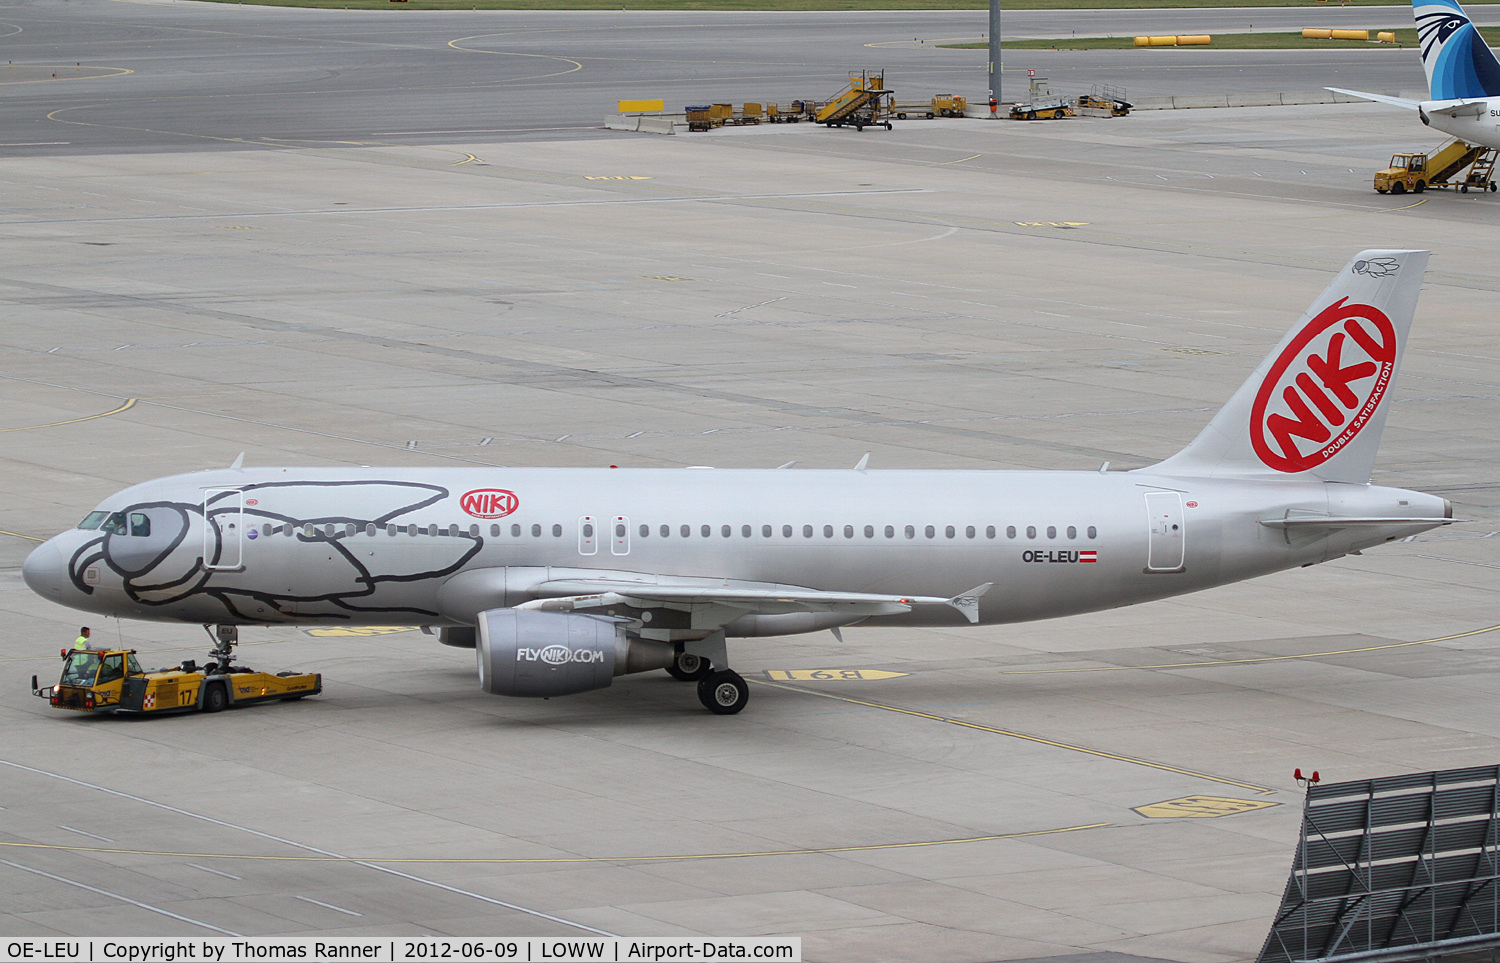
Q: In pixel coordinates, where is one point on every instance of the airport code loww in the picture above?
(385, 950)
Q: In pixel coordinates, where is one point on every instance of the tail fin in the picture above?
(1315, 408)
(1460, 65)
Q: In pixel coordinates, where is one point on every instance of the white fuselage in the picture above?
(381, 546)
(1477, 121)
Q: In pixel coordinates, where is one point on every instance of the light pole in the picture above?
(995, 50)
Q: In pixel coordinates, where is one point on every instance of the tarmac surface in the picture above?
(948, 294)
(177, 76)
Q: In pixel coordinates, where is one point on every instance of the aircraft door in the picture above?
(1166, 549)
(223, 528)
(588, 535)
(620, 530)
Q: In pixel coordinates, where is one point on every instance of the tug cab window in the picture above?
(112, 669)
(81, 668)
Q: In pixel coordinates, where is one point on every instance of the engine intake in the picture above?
(534, 654)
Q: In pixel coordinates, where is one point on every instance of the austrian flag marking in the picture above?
(489, 502)
(1324, 387)
(1088, 556)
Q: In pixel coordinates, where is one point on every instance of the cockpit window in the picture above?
(139, 524)
(91, 520)
(114, 524)
(81, 668)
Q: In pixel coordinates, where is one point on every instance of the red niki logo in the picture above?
(1322, 390)
(489, 502)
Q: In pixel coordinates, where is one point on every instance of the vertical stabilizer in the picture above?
(1315, 408)
(1459, 64)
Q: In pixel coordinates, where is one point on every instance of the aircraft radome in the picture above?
(562, 579)
(1463, 76)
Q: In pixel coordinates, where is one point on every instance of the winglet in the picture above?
(239, 462)
(968, 602)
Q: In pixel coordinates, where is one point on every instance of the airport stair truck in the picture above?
(1417, 172)
(111, 680)
(859, 106)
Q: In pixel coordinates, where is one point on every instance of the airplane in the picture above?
(1463, 76)
(563, 579)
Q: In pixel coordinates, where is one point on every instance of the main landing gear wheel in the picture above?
(688, 667)
(723, 693)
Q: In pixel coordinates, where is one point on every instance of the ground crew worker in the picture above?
(83, 639)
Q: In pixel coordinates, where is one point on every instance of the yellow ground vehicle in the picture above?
(1417, 172)
(943, 105)
(111, 680)
(862, 105)
(1052, 111)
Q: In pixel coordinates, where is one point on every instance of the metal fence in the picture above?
(1402, 867)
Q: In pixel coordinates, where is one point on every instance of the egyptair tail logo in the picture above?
(1323, 388)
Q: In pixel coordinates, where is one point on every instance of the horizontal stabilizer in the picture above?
(1379, 98)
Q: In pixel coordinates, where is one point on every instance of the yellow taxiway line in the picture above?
(1025, 737)
(129, 403)
(873, 847)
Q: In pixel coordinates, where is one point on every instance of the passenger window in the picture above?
(687, 531)
(827, 531)
(515, 531)
(1093, 532)
(645, 531)
(950, 533)
(807, 531)
(370, 528)
(911, 532)
(869, 531)
(556, 530)
(453, 530)
(765, 531)
(969, 532)
(1031, 531)
(620, 529)
(890, 531)
(536, 531)
(786, 531)
(848, 531)
(726, 531)
(929, 531)
(474, 530)
(745, 531)
(92, 521)
(1051, 531)
(706, 531)
(588, 530)
(1010, 531)
(308, 531)
(989, 532)
(139, 524)
(666, 531)
(1072, 531)
(267, 528)
(494, 531)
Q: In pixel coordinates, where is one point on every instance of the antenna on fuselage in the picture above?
(239, 462)
(863, 462)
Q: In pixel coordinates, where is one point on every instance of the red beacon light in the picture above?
(1308, 781)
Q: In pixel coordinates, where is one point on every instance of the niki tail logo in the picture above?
(1324, 387)
(489, 502)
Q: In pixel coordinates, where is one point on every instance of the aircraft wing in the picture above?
(738, 598)
(1379, 98)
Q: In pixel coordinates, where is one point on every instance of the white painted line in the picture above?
(44, 143)
(215, 871)
(336, 909)
(492, 130)
(123, 899)
(82, 833)
(287, 842)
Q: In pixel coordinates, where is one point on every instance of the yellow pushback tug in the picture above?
(111, 680)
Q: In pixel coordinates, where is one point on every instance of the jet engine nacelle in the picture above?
(541, 654)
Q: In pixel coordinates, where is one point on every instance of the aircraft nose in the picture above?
(45, 571)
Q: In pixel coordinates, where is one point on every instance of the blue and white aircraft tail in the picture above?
(1463, 76)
